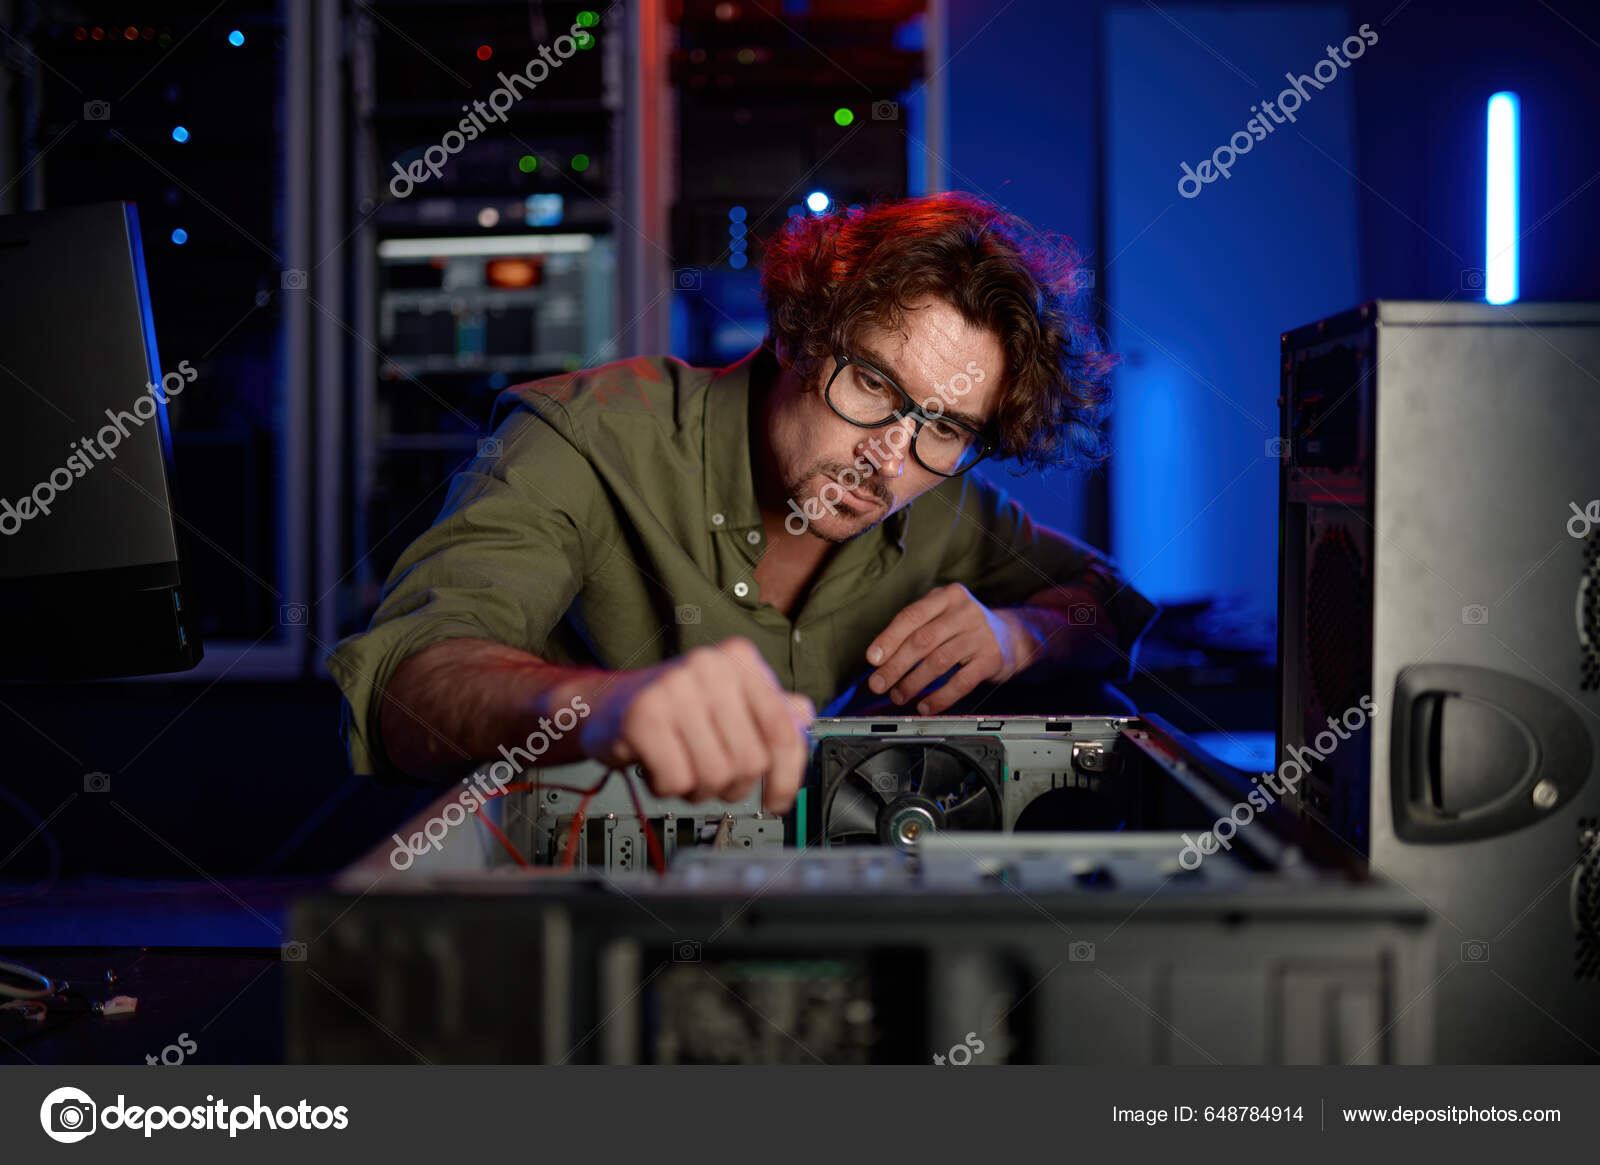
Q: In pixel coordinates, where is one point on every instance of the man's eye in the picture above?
(873, 384)
(944, 432)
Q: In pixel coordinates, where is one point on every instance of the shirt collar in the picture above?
(730, 483)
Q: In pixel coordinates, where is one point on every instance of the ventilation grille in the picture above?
(1586, 900)
(1335, 621)
(1589, 615)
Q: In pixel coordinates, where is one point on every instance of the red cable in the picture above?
(656, 858)
(499, 834)
(521, 786)
(571, 856)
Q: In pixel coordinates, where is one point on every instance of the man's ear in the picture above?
(791, 362)
(782, 351)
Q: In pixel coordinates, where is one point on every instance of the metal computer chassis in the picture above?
(1017, 948)
(1080, 773)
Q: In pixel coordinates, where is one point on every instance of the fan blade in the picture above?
(893, 763)
(852, 811)
(917, 771)
(942, 773)
(975, 811)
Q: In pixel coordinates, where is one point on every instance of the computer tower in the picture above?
(1439, 642)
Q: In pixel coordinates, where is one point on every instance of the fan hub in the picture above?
(907, 819)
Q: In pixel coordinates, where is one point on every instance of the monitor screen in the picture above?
(90, 562)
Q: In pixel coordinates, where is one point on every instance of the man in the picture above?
(673, 566)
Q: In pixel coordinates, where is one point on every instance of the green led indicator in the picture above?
(527, 163)
(584, 40)
(580, 162)
(843, 116)
(588, 18)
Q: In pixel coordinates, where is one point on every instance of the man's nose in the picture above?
(894, 446)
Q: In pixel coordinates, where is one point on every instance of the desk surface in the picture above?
(202, 958)
(226, 1004)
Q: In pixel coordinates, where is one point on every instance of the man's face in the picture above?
(935, 349)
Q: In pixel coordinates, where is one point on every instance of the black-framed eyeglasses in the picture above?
(870, 399)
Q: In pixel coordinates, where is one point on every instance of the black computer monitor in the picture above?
(91, 569)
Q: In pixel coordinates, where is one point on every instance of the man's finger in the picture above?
(957, 687)
(912, 616)
(749, 755)
(666, 765)
(959, 649)
(709, 764)
(782, 719)
(923, 642)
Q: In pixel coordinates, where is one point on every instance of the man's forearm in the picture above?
(454, 704)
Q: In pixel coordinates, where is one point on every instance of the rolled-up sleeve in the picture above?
(1004, 558)
(503, 562)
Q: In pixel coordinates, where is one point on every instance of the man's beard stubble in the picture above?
(833, 469)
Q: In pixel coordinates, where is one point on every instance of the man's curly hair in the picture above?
(827, 277)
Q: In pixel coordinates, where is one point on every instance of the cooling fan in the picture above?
(881, 792)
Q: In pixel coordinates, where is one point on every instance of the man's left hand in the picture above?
(944, 628)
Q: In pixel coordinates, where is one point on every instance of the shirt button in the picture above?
(752, 537)
(797, 635)
(741, 589)
(716, 519)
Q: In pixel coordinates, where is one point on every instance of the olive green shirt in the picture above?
(612, 521)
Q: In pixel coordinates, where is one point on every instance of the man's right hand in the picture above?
(709, 724)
